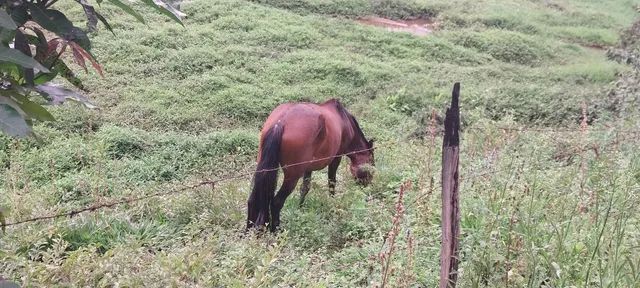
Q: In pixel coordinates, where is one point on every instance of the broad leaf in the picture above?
(19, 15)
(6, 21)
(32, 109)
(21, 43)
(128, 9)
(42, 78)
(11, 122)
(77, 35)
(92, 15)
(15, 56)
(6, 97)
(57, 95)
(11, 70)
(6, 36)
(166, 9)
(52, 20)
(56, 22)
(23, 46)
(42, 46)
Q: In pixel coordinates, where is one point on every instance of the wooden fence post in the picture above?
(450, 208)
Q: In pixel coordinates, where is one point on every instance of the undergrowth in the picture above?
(178, 105)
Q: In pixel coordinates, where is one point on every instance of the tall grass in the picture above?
(184, 104)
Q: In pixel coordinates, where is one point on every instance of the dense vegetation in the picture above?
(34, 38)
(183, 104)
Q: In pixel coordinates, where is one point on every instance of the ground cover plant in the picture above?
(551, 203)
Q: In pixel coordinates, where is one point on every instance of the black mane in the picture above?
(353, 120)
(359, 130)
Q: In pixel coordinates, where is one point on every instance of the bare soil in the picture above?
(418, 27)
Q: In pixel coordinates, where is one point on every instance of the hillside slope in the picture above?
(553, 205)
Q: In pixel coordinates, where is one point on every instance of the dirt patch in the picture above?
(594, 46)
(418, 27)
(554, 5)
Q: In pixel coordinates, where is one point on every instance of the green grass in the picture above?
(179, 105)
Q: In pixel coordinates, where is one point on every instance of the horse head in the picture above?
(362, 163)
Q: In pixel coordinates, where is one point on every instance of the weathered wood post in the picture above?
(450, 208)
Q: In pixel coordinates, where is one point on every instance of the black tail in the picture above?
(264, 182)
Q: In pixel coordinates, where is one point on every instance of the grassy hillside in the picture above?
(179, 105)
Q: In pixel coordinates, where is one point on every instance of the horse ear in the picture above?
(371, 142)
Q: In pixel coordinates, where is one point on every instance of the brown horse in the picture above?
(301, 138)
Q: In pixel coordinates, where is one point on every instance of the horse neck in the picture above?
(357, 141)
(354, 140)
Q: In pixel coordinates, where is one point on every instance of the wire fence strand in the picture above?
(212, 183)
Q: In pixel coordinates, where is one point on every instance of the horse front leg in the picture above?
(306, 182)
(287, 187)
(333, 168)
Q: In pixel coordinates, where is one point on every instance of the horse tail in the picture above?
(265, 178)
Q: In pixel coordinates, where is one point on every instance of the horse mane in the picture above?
(356, 125)
(359, 130)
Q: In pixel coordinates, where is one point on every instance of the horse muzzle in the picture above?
(363, 177)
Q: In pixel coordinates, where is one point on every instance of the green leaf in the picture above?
(6, 21)
(104, 21)
(128, 9)
(6, 97)
(166, 9)
(12, 55)
(11, 122)
(32, 109)
(10, 69)
(42, 78)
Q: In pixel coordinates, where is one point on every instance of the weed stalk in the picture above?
(386, 256)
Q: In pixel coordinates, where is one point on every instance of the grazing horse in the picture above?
(301, 138)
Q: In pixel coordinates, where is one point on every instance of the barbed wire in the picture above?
(212, 183)
(98, 206)
(553, 130)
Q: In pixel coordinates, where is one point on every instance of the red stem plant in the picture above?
(386, 255)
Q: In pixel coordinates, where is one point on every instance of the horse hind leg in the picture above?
(287, 187)
(306, 183)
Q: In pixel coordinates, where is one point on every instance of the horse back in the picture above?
(311, 132)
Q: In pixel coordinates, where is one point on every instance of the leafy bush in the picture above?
(23, 24)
